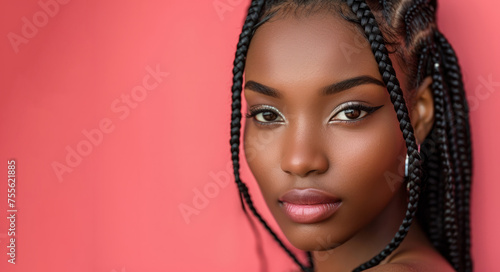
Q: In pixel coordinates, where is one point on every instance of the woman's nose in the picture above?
(304, 155)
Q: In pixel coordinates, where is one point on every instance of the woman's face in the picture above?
(322, 120)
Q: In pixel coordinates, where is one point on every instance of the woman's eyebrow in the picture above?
(351, 83)
(330, 89)
(261, 88)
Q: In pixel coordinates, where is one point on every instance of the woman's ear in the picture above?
(422, 110)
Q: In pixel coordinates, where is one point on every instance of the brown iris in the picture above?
(352, 113)
(269, 116)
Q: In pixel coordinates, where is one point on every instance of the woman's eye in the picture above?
(265, 115)
(351, 114)
(354, 112)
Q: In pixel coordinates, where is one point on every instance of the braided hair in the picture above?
(440, 169)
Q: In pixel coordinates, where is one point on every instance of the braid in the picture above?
(239, 65)
(420, 10)
(448, 190)
(449, 164)
(449, 231)
(372, 31)
(462, 148)
(441, 105)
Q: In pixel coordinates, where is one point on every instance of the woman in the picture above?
(362, 169)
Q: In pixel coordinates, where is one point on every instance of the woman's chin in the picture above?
(312, 241)
(315, 246)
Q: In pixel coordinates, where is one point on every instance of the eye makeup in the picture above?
(347, 112)
(264, 113)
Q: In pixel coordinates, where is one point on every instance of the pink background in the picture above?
(119, 207)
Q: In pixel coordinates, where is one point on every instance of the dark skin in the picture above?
(344, 142)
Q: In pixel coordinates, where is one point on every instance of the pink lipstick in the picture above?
(309, 205)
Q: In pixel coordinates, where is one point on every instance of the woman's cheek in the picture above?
(368, 162)
(261, 148)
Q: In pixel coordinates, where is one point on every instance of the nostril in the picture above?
(305, 165)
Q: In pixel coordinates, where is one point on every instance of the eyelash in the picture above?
(347, 106)
(355, 106)
(260, 109)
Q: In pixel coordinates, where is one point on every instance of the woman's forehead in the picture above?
(318, 45)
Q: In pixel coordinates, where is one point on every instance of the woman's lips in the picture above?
(309, 205)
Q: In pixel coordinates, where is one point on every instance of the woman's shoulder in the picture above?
(415, 262)
(411, 267)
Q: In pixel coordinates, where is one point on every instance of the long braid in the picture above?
(453, 108)
(463, 149)
(454, 181)
(372, 32)
(451, 178)
(431, 203)
(450, 158)
(239, 65)
(441, 108)
(454, 185)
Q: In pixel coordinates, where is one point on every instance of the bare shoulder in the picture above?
(411, 267)
(432, 262)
